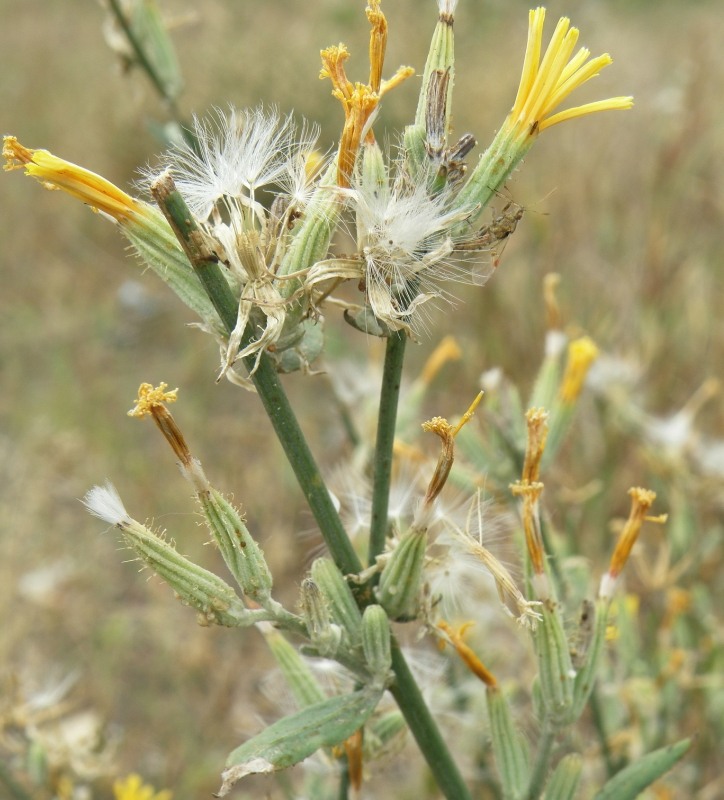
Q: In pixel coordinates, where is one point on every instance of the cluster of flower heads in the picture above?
(267, 204)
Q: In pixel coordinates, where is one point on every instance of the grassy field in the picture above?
(626, 207)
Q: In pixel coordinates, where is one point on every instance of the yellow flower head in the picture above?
(133, 788)
(359, 100)
(545, 83)
(55, 173)
(581, 354)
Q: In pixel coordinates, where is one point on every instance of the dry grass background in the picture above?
(627, 207)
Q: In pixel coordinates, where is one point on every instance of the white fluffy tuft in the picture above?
(104, 502)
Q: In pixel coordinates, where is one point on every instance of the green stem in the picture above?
(542, 762)
(265, 378)
(386, 423)
(280, 413)
(286, 427)
(427, 735)
(553, 560)
(594, 702)
(141, 56)
(405, 690)
(343, 793)
(195, 244)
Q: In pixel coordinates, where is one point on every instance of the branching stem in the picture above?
(542, 762)
(386, 423)
(141, 57)
(273, 397)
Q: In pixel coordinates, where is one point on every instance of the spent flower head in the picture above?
(408, 244)
(359, 100)
(105, 503)
(235, 154)
(406, 248)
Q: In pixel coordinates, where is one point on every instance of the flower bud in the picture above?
(380, 733)
(207, 593)
(342, 606)
(242, 554)
(325, 635)
(301, 347)
(511, 755)
(401, 578)
(440, 60)
(548, 379)
(563, 783)
(159, 47)
(376, 643)
(312, 235)
(554, 664)
(586, 675)
(416, 161)
(373, 175)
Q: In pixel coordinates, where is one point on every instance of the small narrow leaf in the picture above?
(292, 739)
(631, 781)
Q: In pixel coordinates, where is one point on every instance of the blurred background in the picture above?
(627, 207)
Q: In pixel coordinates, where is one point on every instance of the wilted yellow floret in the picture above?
(359, 100)
(56, 173)
(378, 43)
(150, 398)
(455, 637)
(537, 424)
(641, 502)
(530, 493)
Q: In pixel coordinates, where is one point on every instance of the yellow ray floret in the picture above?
(545, 83)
